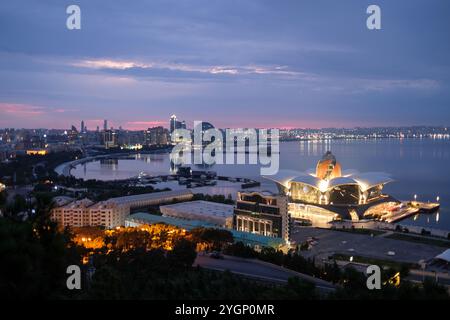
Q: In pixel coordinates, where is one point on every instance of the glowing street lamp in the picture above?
(415, 197)
(437, 199)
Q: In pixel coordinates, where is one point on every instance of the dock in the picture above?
(426, 207)
(408, 209)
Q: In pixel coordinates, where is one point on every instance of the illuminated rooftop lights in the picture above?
(323, 185)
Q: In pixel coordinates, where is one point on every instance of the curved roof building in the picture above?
(331, 188)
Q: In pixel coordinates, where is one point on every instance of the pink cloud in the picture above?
(21, 109)
(142, 125)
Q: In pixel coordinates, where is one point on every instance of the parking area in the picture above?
(327, 242)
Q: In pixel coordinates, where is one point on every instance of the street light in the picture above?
(415, 197)
(437, 199)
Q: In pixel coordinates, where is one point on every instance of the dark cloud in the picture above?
(228, 61)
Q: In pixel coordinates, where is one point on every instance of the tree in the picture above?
(183, 254)
(34, 260)
(214, 238)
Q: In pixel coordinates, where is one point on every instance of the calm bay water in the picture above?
(418, 166)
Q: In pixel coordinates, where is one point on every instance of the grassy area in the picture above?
(417, 239)
(361, 231)
(375, 261)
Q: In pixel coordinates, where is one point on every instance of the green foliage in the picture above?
(215, 238)
(34, 258)
(239, 249)
(22, 166)
(138, 274)
(3, 198)
(183, 254)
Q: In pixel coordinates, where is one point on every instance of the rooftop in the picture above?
(203, 208)
(149, 196)
(83, 203)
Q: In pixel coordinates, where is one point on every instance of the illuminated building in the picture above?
(156, 136)
(329, 193)
(175, 124)
(109, 139)
(37, 152)
(83, 213)
(251, 239)
(2, 187)
(73, 214)
(110, 213)
(262, 213)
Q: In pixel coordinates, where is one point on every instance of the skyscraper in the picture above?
(82, 128)
(173, 123)
(105, 125)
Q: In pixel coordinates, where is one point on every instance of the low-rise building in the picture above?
(151, 199)
(73, 214)
(110, 213)
(218, 214)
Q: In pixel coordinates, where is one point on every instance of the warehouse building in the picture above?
(217, 214)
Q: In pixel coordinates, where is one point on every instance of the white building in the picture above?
(83, 213)
(211, 212)
(73, 214)
(110, 213)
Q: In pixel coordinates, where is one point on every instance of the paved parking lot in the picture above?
(329, 242)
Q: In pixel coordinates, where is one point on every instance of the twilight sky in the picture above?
(234, 63)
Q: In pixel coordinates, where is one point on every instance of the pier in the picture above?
(410, 208)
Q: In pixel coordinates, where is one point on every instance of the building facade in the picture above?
(156, 136)
(328, 193)
(113, 212)
(262, 213)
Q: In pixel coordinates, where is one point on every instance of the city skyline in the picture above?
(238, 66)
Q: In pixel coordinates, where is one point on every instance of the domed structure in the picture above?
(328, 168)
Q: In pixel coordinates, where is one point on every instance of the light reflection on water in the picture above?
(418, 167)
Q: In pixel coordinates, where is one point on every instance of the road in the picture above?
(258, 269)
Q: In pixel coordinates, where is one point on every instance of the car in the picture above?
(216, 255)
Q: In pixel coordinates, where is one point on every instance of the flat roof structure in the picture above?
(152, 198)
(211, 212)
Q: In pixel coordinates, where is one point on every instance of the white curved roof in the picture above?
(371, 179)
(364, 180)
(307, 179)
(341, 181)
(283, 176)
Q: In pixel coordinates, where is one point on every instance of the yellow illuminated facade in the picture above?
(328, 193)
(37, 152)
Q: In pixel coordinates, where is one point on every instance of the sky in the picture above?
(234, 63)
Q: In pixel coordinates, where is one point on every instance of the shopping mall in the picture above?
(329, 193)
